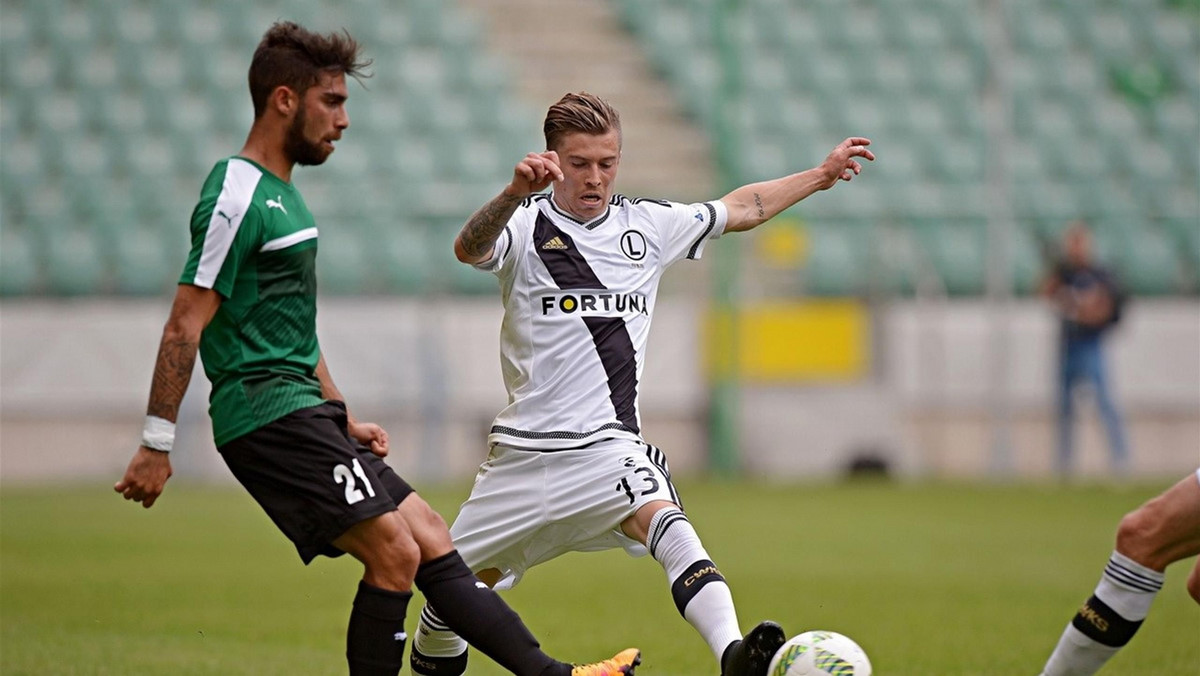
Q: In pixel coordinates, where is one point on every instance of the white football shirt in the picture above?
(578, 300)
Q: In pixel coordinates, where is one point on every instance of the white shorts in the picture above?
(528, 507)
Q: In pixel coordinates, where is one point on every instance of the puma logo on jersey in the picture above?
(276, 203)
(553, 244)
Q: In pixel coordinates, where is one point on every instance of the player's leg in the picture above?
(698, 588)
(310, 479)
(473, 611)
(438, 651)
(1164, 530)
(375, 635)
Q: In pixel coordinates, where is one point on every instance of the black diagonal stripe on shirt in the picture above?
(570, 270)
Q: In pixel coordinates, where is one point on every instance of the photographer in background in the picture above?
(1089, 303)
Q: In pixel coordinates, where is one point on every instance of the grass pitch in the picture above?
(931, 579)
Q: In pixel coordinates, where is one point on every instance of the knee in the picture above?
(429, 529)
(1139, 536)
(393, 563)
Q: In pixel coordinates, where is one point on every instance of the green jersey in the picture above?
(255, 243)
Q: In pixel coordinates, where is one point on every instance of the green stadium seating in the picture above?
(836, 263)
(112, 112)
(956, 249)
(19, 273)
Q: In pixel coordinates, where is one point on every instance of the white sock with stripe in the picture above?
(699, 590)
(1108, 620)
(437, 650)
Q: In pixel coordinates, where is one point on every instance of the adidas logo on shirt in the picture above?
(555, 243)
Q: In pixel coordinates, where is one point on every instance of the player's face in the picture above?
(589, 166)
(319, 121)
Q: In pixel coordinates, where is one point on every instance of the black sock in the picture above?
(480, 616)
(375, 638)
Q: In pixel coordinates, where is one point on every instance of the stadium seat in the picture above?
(403, 256)
(75, 264)
(836, 262)
(956, 249)
(343, 261)
(19, 273)
(146, 261)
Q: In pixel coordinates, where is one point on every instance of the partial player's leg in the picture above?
(700, 592)
(697, 586)
(1164, 530)
(475, 612)
(310, 479)
(375, 636)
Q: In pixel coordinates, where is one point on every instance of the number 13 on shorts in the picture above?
(645, 482)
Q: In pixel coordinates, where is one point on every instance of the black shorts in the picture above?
(313, 480)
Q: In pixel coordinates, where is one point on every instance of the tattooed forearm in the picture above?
(172, 373)
(758, 203)
(481, 230)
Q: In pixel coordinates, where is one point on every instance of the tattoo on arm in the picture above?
(172, 373)
(479, 233)
(758, 203)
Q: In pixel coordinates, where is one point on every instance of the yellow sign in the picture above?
(791, 342)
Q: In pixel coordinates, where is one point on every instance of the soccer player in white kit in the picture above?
(1164, 530)
(569, 469)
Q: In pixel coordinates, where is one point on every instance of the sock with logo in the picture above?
(375, 637)
(478, 614)
(699, 589)
(1107, 620)
(436, 650)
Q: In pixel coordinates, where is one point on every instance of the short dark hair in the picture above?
(582, 112)
(292, 56)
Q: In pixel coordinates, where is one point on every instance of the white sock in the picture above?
(435, 640)
(699, 590)
(1106, 621)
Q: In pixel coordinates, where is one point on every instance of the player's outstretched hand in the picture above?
(145, 477)
(535, 173)
(841, 165)
(370, 435)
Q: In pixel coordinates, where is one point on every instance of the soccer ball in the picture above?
(820, 653)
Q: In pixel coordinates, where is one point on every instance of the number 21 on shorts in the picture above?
(342, 474)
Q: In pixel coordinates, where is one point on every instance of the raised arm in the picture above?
(754, 204)
(478, 236)
(150, 467)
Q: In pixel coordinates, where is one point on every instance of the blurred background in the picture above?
(890, 322)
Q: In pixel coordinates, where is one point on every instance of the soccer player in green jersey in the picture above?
(247, 302)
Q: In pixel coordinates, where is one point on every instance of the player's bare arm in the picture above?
(532, 174)
(368, 434)
(754, 204)
(191, 311)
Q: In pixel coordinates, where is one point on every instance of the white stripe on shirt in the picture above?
(290, 240)
(241, 180)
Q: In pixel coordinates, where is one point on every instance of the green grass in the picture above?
(930, 579)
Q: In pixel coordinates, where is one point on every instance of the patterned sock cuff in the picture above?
(1125, 572)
